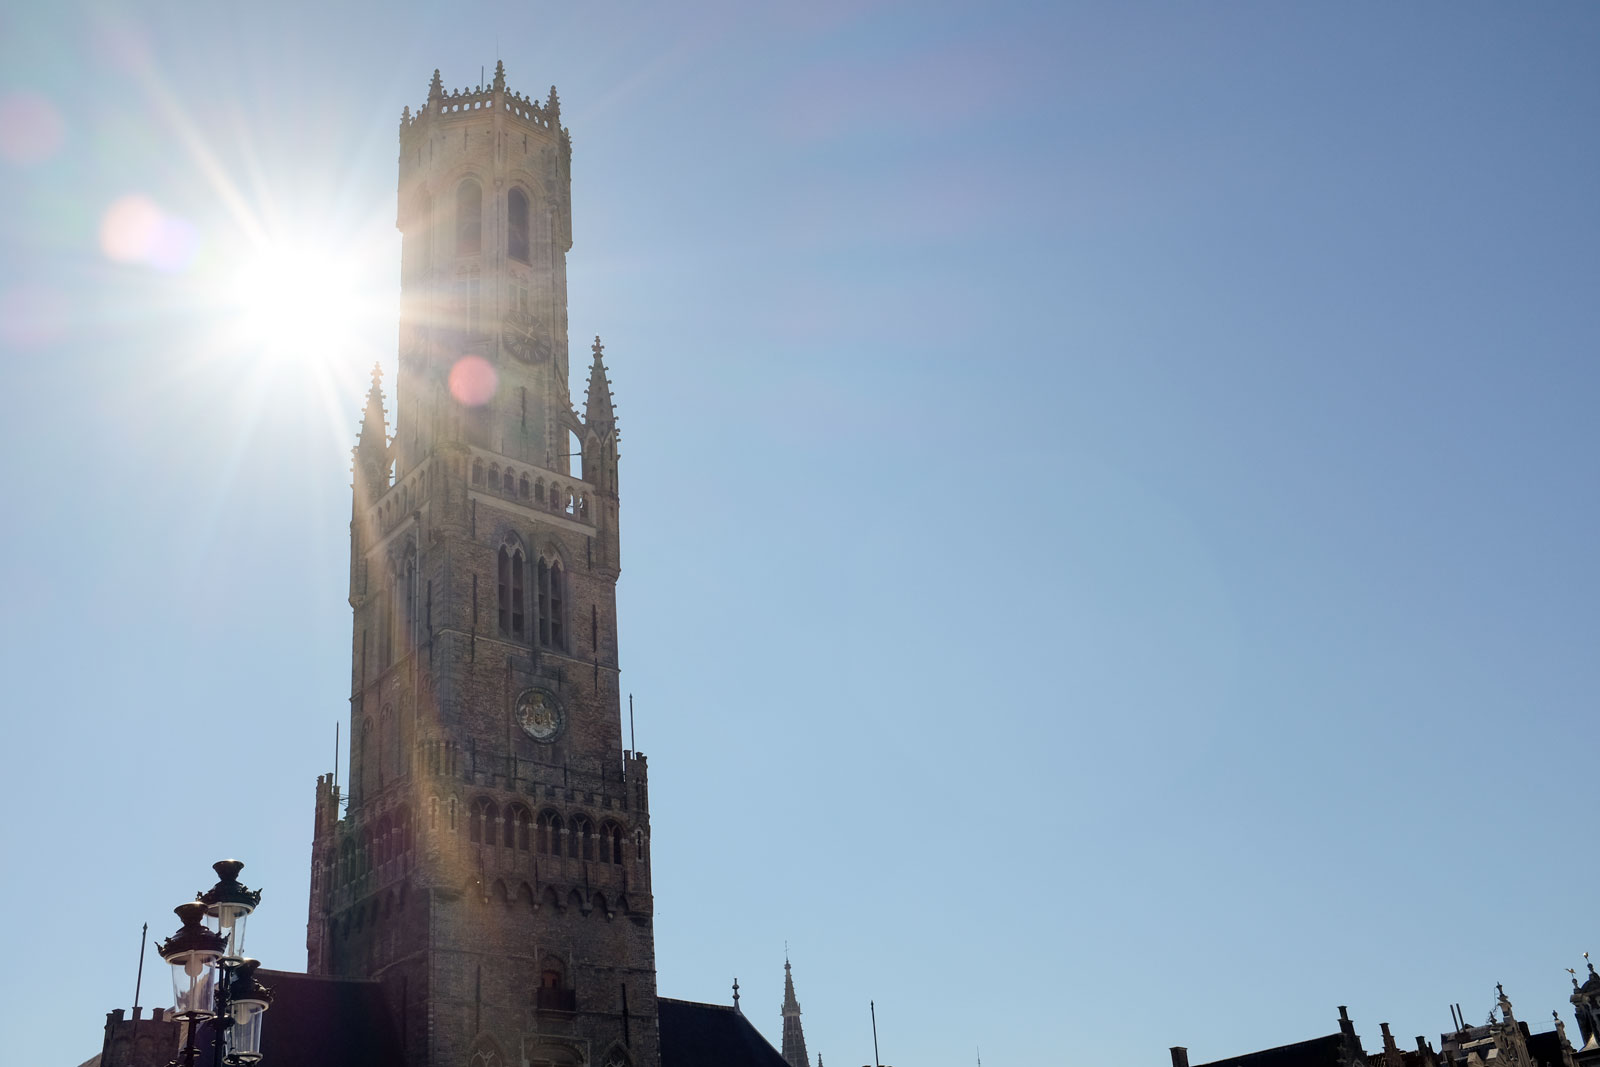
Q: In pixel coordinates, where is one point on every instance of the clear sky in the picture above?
(1109, 507)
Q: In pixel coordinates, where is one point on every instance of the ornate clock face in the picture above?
(539, 714)
(524, 337)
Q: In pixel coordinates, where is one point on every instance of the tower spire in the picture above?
(794, 1038)
(598, 412)
(372, 447)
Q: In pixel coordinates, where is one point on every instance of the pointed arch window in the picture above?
(610, 843)
(581, 843)
(484, 817)
(469, 218)
(519, 828)
(551, 633)
(511, 590)
(549, 833)
(517, 225)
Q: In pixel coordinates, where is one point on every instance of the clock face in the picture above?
(539, 715)
(525, 338)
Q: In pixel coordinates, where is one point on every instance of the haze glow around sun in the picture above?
(298, 302)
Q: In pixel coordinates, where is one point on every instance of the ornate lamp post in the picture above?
(211, 977)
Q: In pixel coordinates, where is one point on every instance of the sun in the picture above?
(299, 302)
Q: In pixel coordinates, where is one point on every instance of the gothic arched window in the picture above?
(519, 827)
(512, 594)
(550, 605)
(484, 816)
(610, 843)
(549, 833)
(477, 472)
(469, 218)
(581, 842)
(517, 225)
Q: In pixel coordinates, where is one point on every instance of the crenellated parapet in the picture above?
(477, 100)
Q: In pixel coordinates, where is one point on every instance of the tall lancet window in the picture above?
(469, 218)
(549, 593)
(513, 615)
(517, 225)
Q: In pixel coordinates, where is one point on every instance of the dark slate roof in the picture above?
(1326, 1051)
(1545, 1048)
(327, 1022)
(711, 1035)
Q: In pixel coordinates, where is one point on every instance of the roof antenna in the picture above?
(633, 742)
(336, 755)
(874, 1008)
(736, 994)
(481, 77)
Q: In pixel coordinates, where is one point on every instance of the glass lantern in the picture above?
(192, 953)
(248, 1002)
(228, 904)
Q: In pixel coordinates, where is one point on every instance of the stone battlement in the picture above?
(464, 102)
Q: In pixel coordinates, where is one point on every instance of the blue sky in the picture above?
(1108, 498)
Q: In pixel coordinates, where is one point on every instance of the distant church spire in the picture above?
(794, 1039)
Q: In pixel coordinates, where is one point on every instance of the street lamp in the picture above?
(248, 1000)
(211, 978)
(228, 905)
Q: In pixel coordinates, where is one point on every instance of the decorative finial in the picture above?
(736, 994)
(499, 76)
(435, 87)
(553, 106)
(377, 374)
(599, 349)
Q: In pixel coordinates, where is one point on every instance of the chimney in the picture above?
(1388, 1039)
(1346, 1027)
(1180, 1056)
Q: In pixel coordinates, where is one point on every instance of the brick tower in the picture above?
(491, 866)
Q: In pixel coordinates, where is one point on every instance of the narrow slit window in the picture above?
(517, 611)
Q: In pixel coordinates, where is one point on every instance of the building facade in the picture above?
(489, 864)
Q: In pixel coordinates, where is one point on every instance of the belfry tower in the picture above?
(489, 864)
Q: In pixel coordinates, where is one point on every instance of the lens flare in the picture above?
(135, 230)
(473, 381)
(31, 130)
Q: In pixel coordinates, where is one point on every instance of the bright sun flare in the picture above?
(298, 302)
